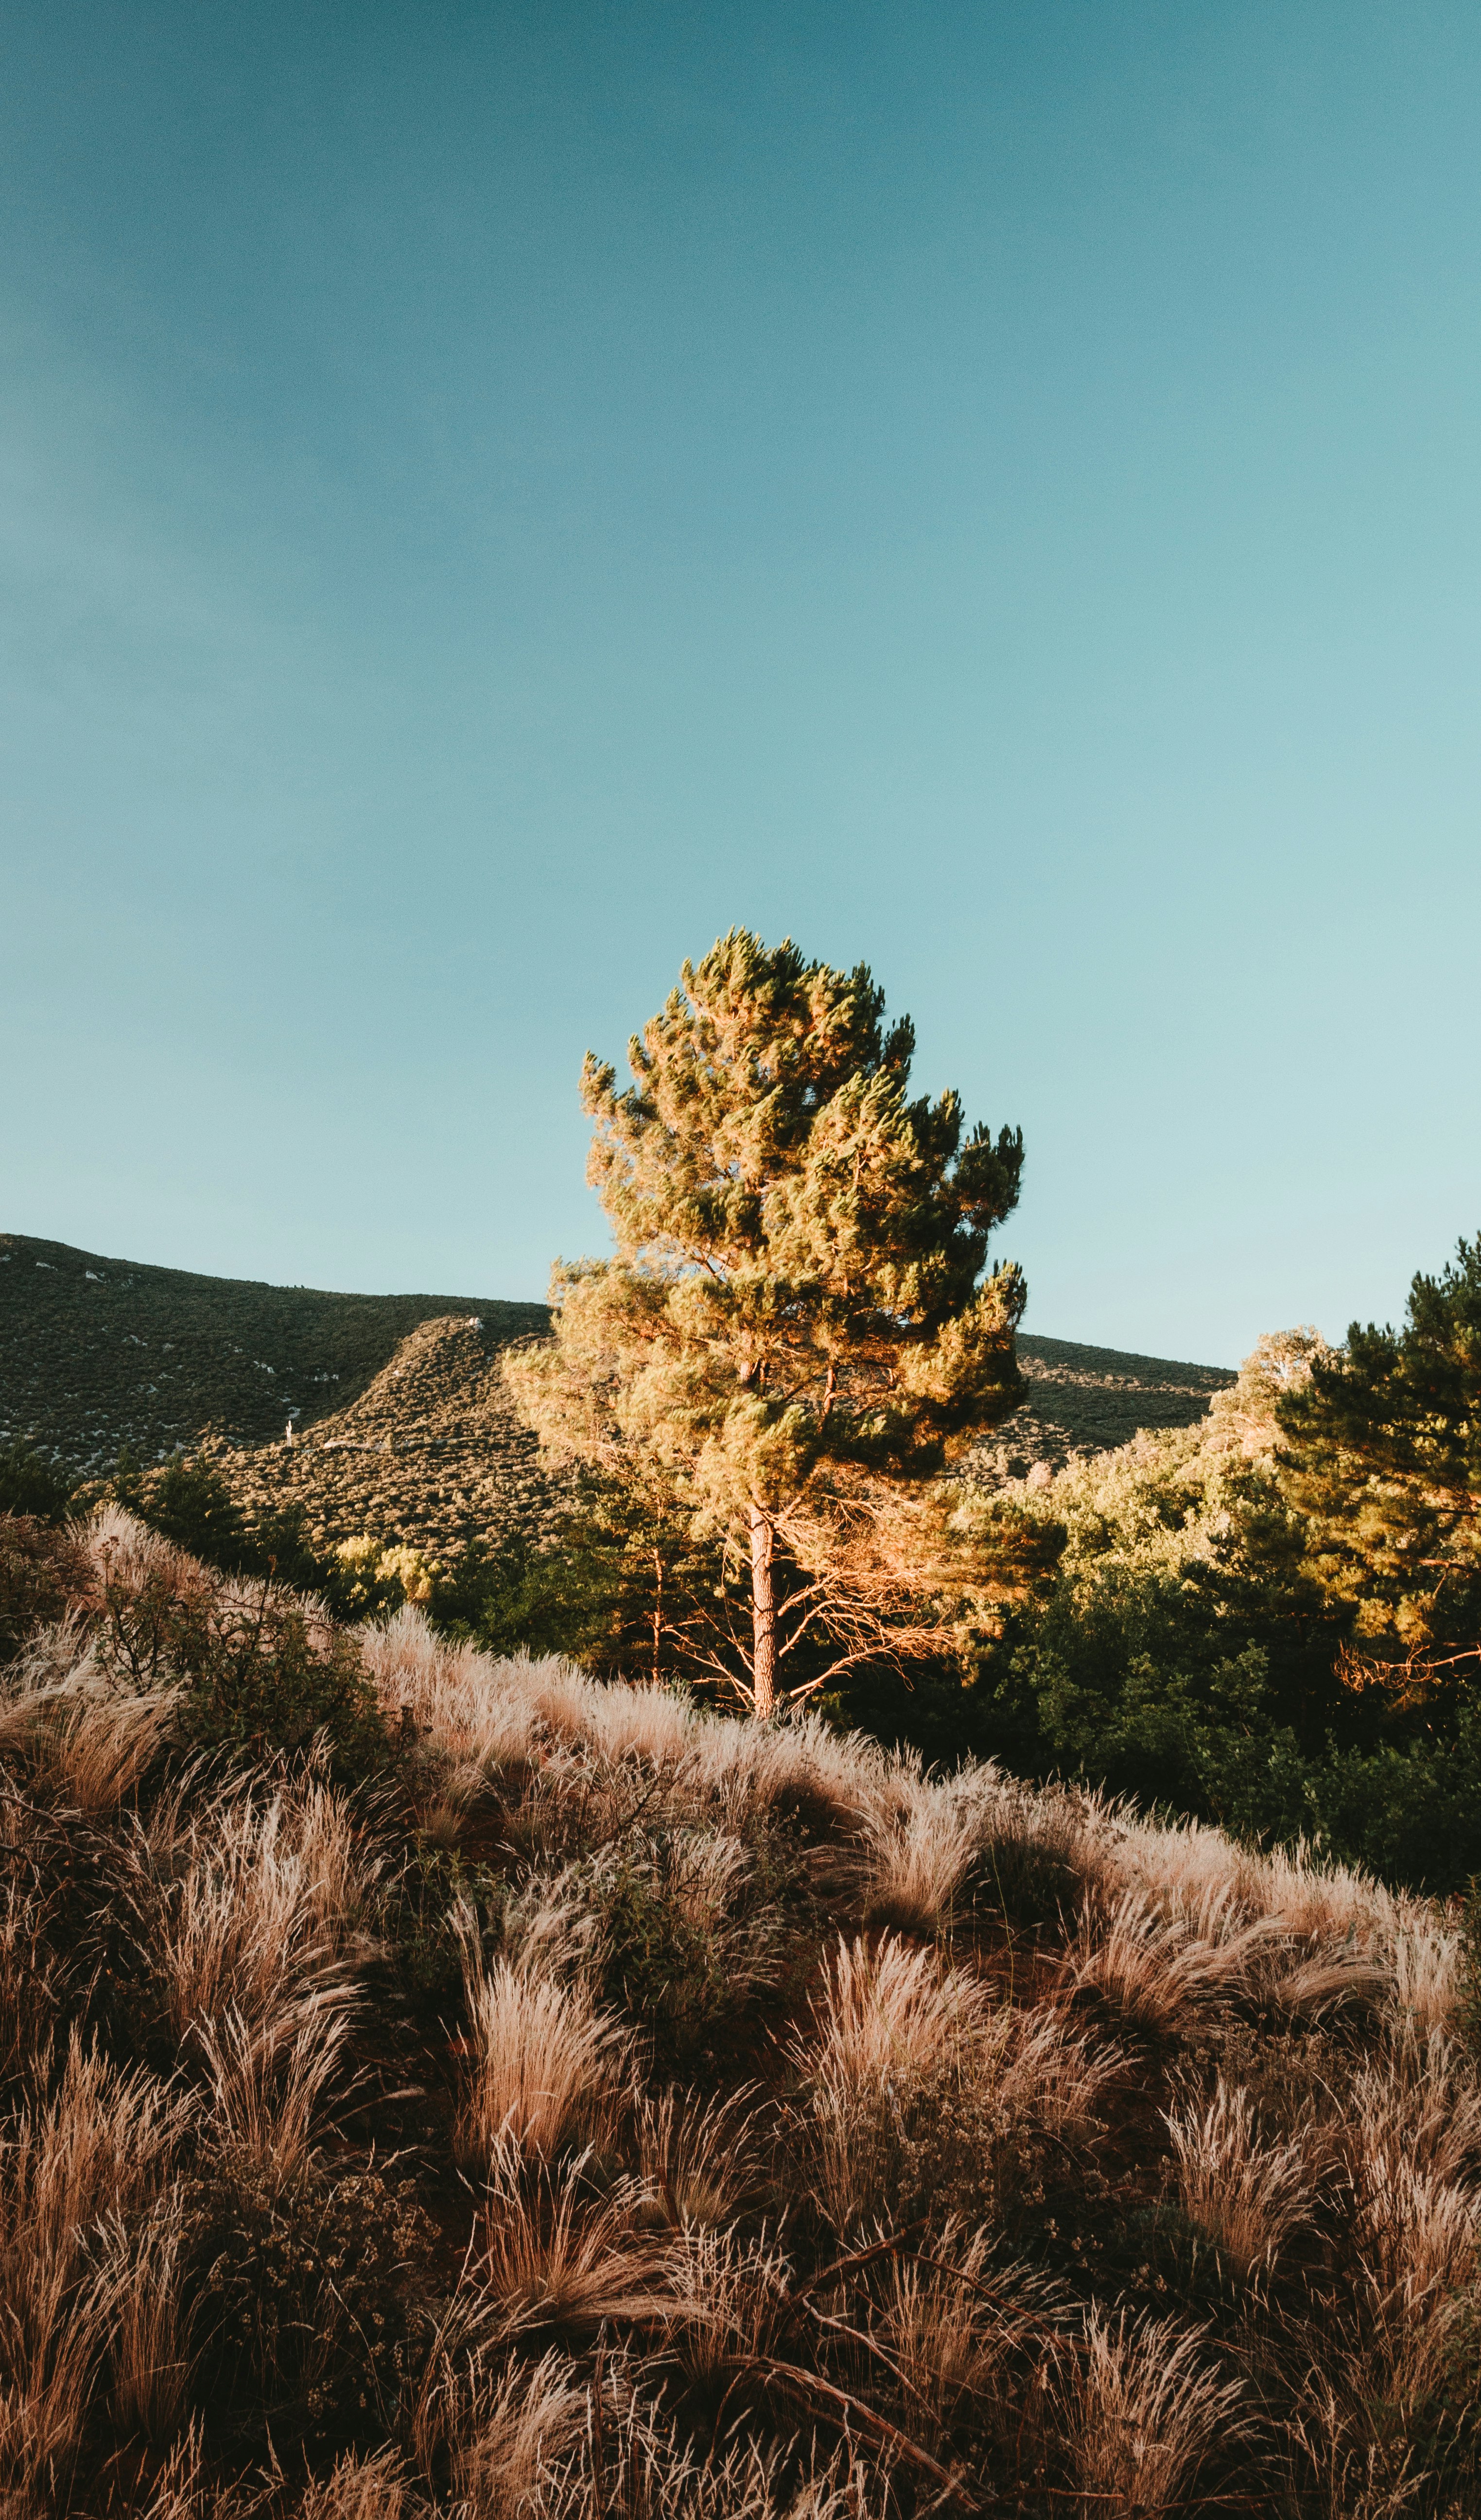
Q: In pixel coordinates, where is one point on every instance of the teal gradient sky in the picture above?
(493, 496)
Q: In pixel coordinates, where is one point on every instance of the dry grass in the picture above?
(269, 2080)
(247, 1903)
(955, 2322)
(885, 2019)
(87, 2159)
(89, 1740)
(1146, 2411)
(919, 1856)
(886, 2012)
(1247, 2196)
(560, 2249)
(900, 2044)
(698, 2158)
(544, 2063)
(897, 2243)
(357, 2488)
(149, 2347)
(1160, 1971)
(522, 2433)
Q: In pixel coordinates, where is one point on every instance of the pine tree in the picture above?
(795, 1338)
(1382, 1462)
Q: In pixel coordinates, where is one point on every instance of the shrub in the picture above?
(41, 1567)
(191, 1503)
(305, 2295)
(30, 1484)
(261, 1673)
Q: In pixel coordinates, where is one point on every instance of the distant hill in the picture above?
(401, 1422)
(1091, 1399)
(98, 1353)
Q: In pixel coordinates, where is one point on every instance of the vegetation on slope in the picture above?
(438, 2085)
(404, 1430)
(107, 1356)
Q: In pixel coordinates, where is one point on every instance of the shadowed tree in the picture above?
(795, 1338)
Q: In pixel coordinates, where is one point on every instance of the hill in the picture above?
(401, 1422)
(540, 2099)
(1092, 1399)
(98, 1353)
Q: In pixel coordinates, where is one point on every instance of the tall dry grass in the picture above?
(248, 1900)
(921, 1853)
(559, 2247)
(73, 2169)
(544, 2065)
(901, 2046)
(896, 2244)
(1160, 1971)
(955, 2320)
(84, 1738)
(1144, 2412)
(1248, 2196)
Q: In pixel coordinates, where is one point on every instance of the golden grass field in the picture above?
(563, 2101)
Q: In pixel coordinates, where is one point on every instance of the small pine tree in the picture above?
(795, 1336)
(1383, 1460)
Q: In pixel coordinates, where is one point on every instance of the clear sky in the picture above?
(493, 496)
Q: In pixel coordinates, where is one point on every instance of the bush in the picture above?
(305, 2300)
(189, 1502)
(519, 1596)
(661, 1965)
(30, 1484)
(40, 1568)
(261, 1676)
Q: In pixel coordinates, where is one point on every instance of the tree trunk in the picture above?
(763, 1619)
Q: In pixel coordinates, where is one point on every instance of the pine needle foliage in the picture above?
(795, 1336)
(1383, 1460)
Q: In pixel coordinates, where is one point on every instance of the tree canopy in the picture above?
(1382, 1460)
(798, 1333)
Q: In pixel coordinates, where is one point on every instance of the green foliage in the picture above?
(1409, 1808)
(1382, 1460)
(519, 1596)
(661, 1965)
(795, 1335)
(1194, 1653)
(618, 1585)
(261, 1674)
(269, 1683)
(189, 1502)
(434, 1890)
(30, 1484)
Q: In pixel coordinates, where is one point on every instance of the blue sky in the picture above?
(491, 497)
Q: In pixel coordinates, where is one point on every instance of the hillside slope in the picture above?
(98, 1353)
(432, 1453)
(1092, 1399)
(401, 1423)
